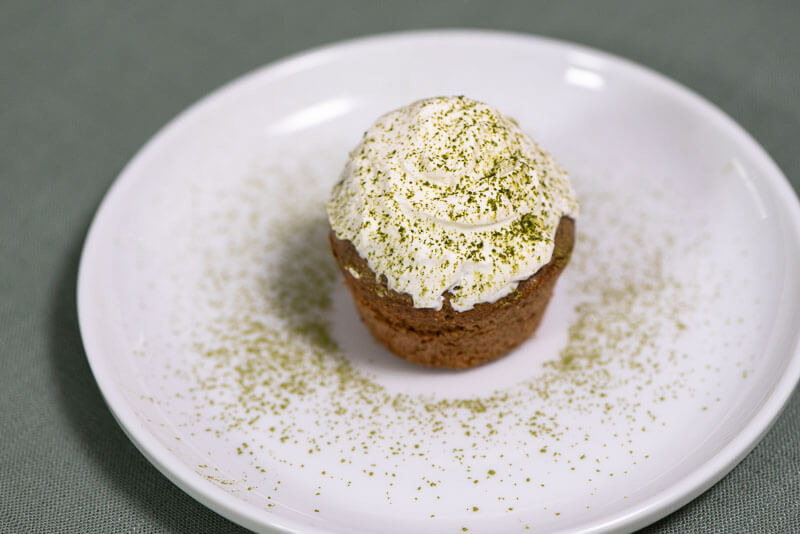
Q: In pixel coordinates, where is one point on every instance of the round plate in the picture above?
(218, 330)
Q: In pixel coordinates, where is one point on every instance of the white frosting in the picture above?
(448, 194)
(353, 273)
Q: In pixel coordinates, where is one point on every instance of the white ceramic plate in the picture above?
(222, 340)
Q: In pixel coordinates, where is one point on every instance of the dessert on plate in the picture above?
(451, 228)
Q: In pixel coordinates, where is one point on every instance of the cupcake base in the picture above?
(447, 338)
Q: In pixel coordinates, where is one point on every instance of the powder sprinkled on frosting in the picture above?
(448, 194)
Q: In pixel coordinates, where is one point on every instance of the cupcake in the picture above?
(451, 228)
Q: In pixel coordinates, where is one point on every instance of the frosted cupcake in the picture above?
(451, 227)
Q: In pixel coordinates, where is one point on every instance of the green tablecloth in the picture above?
(84, 84)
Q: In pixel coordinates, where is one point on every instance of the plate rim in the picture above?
(250, 516)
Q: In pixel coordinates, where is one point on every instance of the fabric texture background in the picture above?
(84, 84)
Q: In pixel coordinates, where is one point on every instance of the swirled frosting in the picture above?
(448, 194)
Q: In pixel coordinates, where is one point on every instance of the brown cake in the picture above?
(451, 227)
(447, 338)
